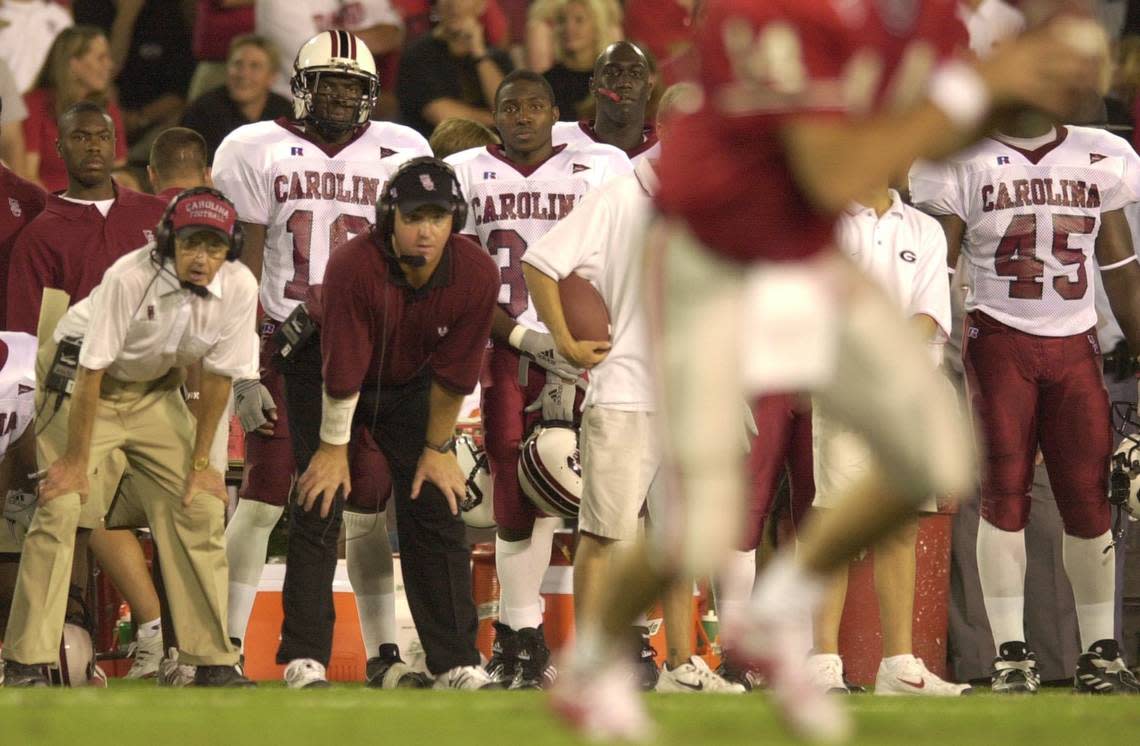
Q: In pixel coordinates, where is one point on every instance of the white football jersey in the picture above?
(1032, 218)
(510, 206)
(582, 133)
(311, 198)
(17, 388)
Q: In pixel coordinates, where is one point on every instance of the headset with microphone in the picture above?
(418, 174)
(164, 233)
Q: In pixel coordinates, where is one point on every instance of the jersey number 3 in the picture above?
(1016, 257)
(508, 247)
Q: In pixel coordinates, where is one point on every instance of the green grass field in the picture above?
(142, 714)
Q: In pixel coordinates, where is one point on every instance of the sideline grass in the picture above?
(139, 713)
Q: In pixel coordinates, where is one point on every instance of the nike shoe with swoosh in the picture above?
(906, 675)
(695, 676)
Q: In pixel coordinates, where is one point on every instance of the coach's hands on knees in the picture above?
(327, 473)
(442, 470)
(209, 481)
(63, 477)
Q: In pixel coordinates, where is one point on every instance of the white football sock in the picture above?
(1092, 573)
(247, 538)
(368, 554)
(149, 629)
(1001, 568)
(521, 566)
(734, 586)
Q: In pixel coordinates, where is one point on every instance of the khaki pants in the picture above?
(153, 428)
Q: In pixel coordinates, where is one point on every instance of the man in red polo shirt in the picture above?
(24, 201)
(407, 314)
(85, 229)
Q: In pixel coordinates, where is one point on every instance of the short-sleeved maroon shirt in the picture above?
(20, 201)
(372, 317)
(70, 245)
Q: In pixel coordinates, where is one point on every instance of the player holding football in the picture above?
(516, 192)
(806, 107)
(1031, 207)
(303, 188)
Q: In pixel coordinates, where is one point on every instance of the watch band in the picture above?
(447, 446)
(201, 464)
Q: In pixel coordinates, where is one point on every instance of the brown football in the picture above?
(586, 314)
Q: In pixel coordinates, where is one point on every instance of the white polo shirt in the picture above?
(603, 239)
(904, 252)
(139, 322)
(27, 30)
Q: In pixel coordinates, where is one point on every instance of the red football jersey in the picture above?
(763, 63)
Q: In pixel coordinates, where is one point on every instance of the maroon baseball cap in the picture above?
(204, 212)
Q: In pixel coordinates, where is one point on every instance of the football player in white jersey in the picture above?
(516, 192)
(621, 84)
(17, 457)
(1035, 209)
(302, 188)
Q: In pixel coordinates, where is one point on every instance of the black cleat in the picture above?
(730, 672)
(388, 671)
(1102, 671)
(20, 675)
(534, 669)
(1015, 670)
(228, 677)
(504, 655)
(646, 664)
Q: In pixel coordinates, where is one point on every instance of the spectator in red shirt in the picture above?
(406, 315)
(665, 28)
(78, 68)
(25, 201)
(217, 23)
(82, 231)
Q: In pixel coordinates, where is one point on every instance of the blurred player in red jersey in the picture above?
(807, 105)
(1030, 207)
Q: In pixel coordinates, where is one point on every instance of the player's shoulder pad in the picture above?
(398, 137)
(457, 160)
(596, 150)
(1103, 142)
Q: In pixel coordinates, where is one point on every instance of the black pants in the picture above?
(434, 555)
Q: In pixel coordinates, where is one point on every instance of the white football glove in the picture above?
(19, 507)
(556, 400)
(540, 348)
(252, 403)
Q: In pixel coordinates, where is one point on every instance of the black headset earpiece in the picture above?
(386, 208)
(164, 232)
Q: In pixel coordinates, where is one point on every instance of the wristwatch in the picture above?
(201, 464)
(447, 446)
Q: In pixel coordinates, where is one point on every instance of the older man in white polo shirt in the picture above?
(157, 310)
(904, 252)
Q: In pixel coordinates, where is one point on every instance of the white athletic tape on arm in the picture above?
(959, 91)
(516, 336)
(336, 418)
(1118, 265)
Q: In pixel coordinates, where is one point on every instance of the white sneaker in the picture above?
(464, 677)
(602, 704)
(773, 636)
(147, 652)
(908, 675)
(174, 674)
(694, 675)
(826, 672)
(305, 673)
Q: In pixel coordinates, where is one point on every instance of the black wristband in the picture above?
(447, 446)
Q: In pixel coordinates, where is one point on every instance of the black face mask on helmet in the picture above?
(338, 53)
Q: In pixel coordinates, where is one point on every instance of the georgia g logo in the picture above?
(908, 256)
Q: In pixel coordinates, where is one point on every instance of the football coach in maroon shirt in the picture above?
(406, 314)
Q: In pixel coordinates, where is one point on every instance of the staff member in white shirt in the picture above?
(904, 251)
(603, 241)
(157, 310)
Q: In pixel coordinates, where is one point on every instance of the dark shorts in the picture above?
(782, 446)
